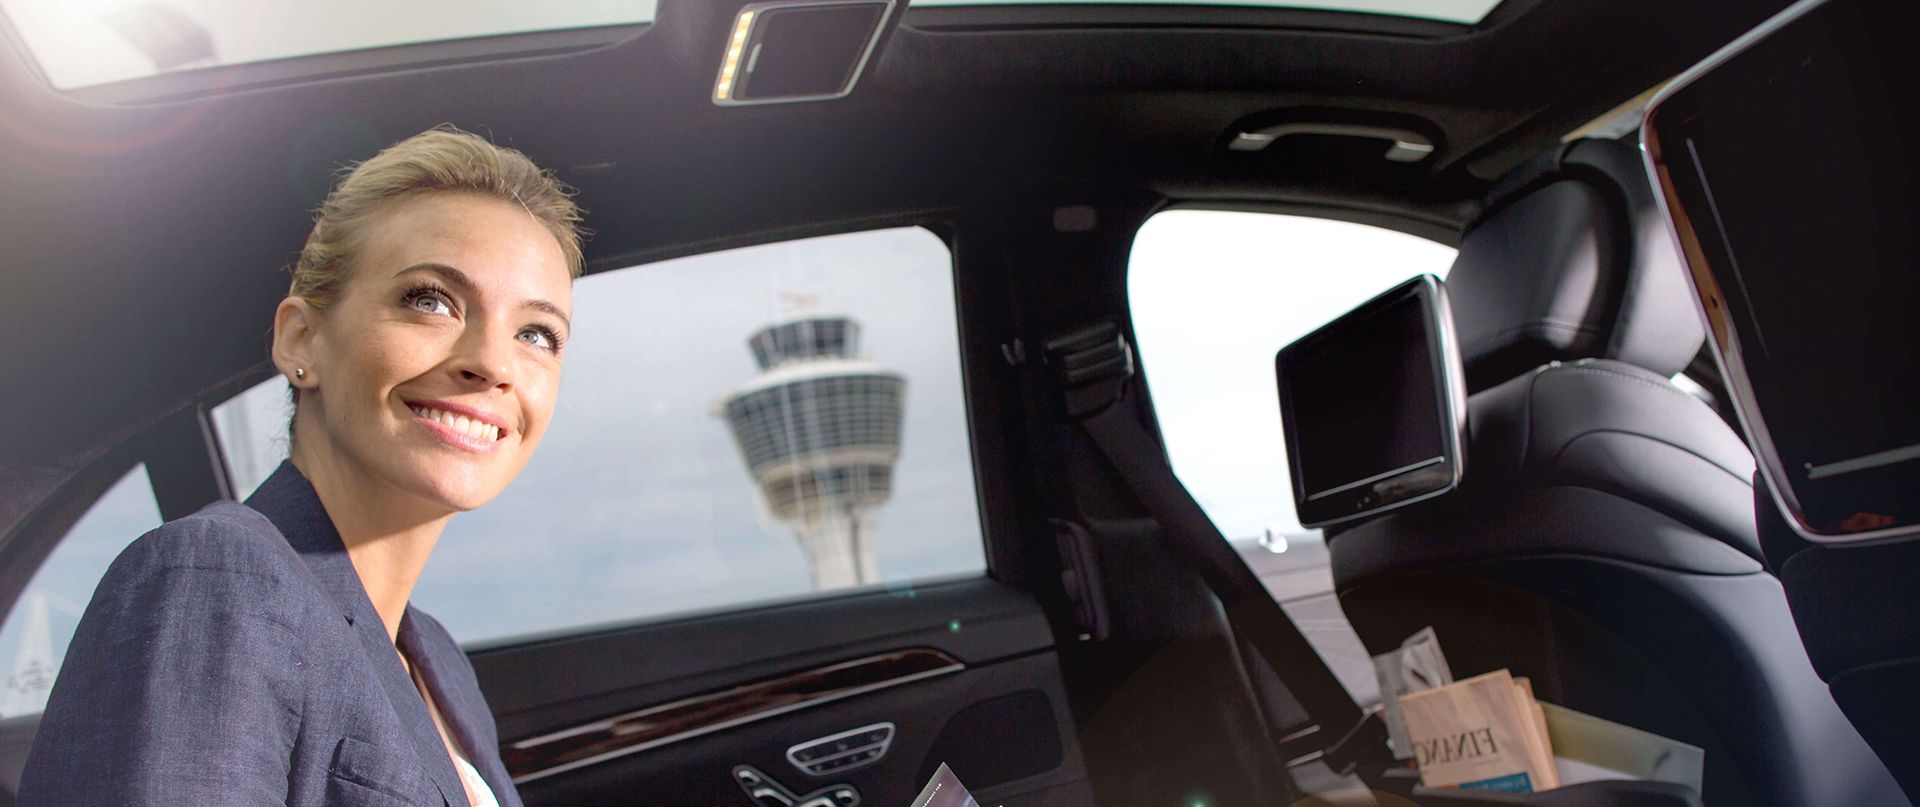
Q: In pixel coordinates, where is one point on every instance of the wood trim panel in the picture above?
(654, 726)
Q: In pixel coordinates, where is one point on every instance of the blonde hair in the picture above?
(441, 159)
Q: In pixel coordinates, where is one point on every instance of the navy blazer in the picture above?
(232, 657)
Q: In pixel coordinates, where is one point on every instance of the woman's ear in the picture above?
(295, 325)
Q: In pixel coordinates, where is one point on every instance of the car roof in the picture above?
(169, 206)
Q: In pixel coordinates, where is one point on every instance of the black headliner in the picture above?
(143, 236)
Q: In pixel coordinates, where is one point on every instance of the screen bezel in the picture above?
(1449, 380)
(1679, 100)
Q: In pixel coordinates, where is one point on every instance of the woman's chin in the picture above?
(453, 489)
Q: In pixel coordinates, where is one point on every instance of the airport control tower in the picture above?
(820, 431)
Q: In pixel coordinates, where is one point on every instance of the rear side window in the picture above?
(733, 428)
(1214, 294)
(35, 636)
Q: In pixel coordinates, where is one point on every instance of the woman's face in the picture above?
(435, 372)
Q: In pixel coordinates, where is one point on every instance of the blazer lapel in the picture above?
(289, 501)
(459, 705)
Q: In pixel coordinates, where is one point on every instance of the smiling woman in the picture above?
(422, 337)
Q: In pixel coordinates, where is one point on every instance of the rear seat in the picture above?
(1603, 541)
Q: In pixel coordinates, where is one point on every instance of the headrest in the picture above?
(1572, 260)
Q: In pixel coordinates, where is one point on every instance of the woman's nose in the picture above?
(485, 358)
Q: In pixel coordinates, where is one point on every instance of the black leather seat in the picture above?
(1603, 541)
(1857, 612)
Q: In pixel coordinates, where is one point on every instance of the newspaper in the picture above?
(1490, 732)
(1485, 733)
(945, 790)
(1417, 665)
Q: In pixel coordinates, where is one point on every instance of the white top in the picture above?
(476, 786)
(477, 791)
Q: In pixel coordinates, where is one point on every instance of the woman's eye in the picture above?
(430, 303)
(538, 338)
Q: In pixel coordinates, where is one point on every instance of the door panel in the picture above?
(964, 671)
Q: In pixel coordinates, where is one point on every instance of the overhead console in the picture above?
(1787, 166)
(781, 51)
(1374, 406)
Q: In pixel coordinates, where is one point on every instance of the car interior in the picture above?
(1613, 536)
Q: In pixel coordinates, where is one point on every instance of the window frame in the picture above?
(32, 541)
(181, 448)
(997, 546)
(34, 537)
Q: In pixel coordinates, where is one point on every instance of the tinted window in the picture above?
(34, 638)
(713, 411)
(1214, 294)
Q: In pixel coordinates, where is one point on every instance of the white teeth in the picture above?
(477, 429)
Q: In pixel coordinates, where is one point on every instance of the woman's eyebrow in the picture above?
(447, 273)
(543, 305)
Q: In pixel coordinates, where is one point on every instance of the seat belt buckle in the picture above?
(1080, 579)
(1091, 365)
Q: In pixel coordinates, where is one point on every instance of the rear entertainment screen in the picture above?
(1788, 166)
(1369, 407)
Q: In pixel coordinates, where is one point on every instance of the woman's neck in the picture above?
(388, 534)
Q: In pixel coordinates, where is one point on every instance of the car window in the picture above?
(1214, 294)
(34, 638)
(733, 428)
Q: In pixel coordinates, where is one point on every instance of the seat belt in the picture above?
(1093, 367)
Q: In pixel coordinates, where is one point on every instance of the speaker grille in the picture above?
(998, 741)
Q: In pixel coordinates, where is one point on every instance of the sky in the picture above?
(637, 504)
(1214, 295)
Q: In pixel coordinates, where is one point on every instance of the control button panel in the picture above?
(842, 752)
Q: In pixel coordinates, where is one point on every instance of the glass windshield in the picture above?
(81, 43)
(1464, 12)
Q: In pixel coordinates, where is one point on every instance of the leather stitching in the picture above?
(1487, 343)
(1601, 371)
(1744, 480)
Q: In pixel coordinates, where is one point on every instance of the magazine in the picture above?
(945, 790)
(1486, 732)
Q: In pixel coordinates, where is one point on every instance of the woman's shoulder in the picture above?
(221, 540)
